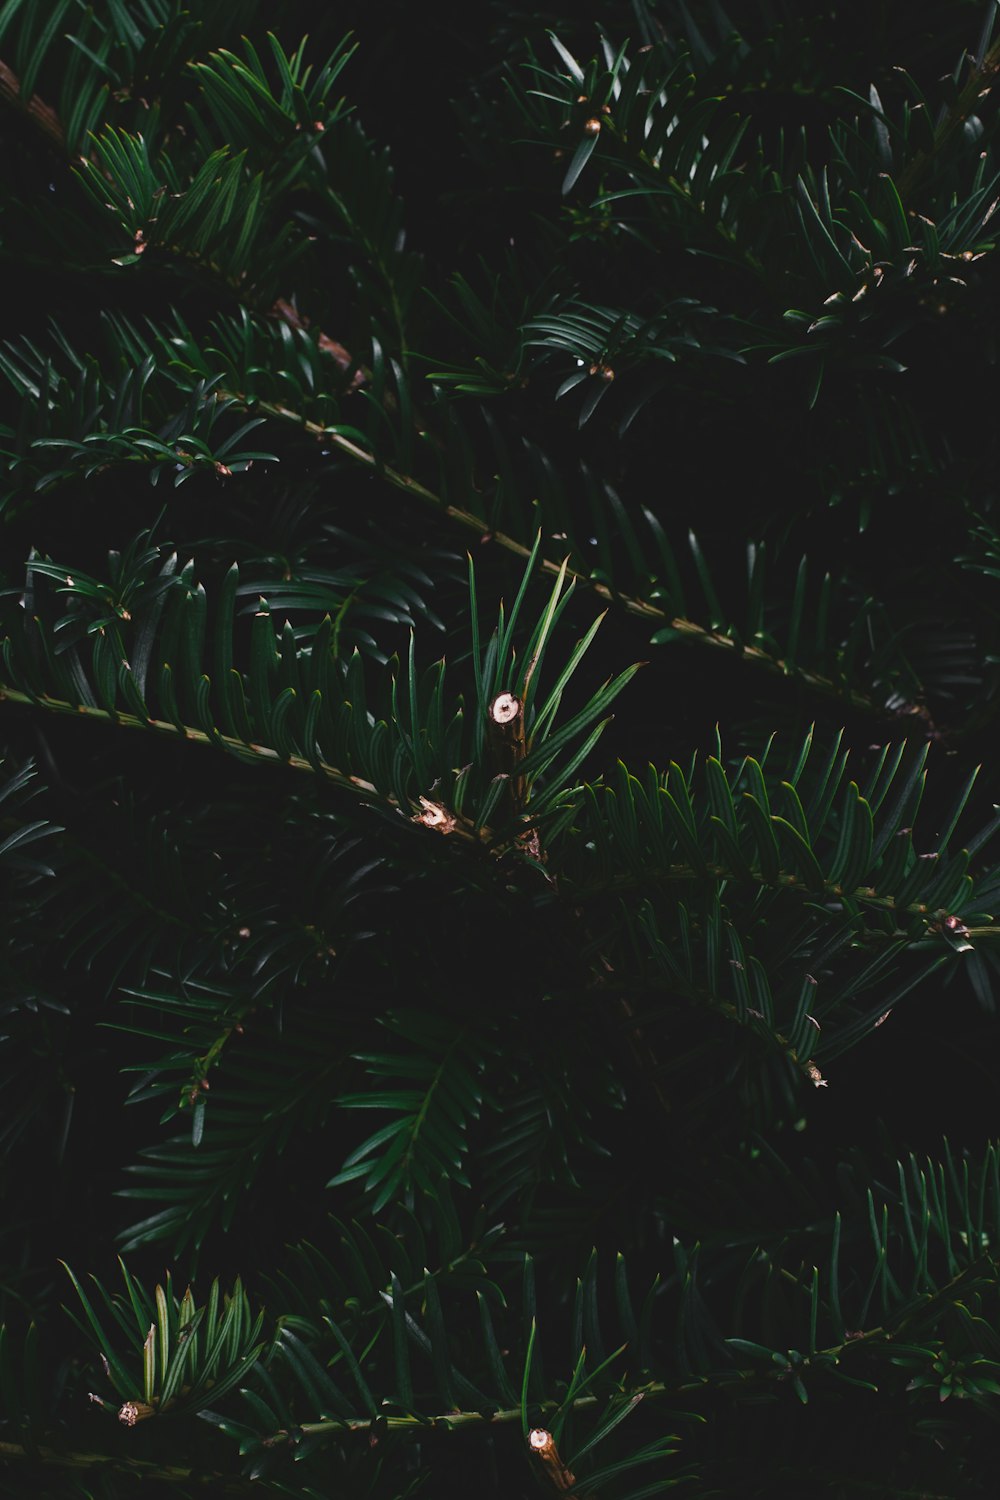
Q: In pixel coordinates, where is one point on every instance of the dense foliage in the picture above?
(499, 626)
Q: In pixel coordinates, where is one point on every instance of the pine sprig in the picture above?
(693, 328)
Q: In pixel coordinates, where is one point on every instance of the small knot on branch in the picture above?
(505, 709)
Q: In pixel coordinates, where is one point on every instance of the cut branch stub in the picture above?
(505, 710)
(543, 1445)
(135, 1411)
(506, 729)
(435, 815)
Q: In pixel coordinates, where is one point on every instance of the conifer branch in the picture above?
(642, 609)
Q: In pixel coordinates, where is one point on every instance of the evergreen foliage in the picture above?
(499, 624)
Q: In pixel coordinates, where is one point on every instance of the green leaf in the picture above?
(579, 160)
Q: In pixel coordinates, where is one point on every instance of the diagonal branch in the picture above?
(643, 609)
(38, 112)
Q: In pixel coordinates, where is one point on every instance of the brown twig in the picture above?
(37, 111)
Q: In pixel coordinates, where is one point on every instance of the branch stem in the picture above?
(643, 609)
